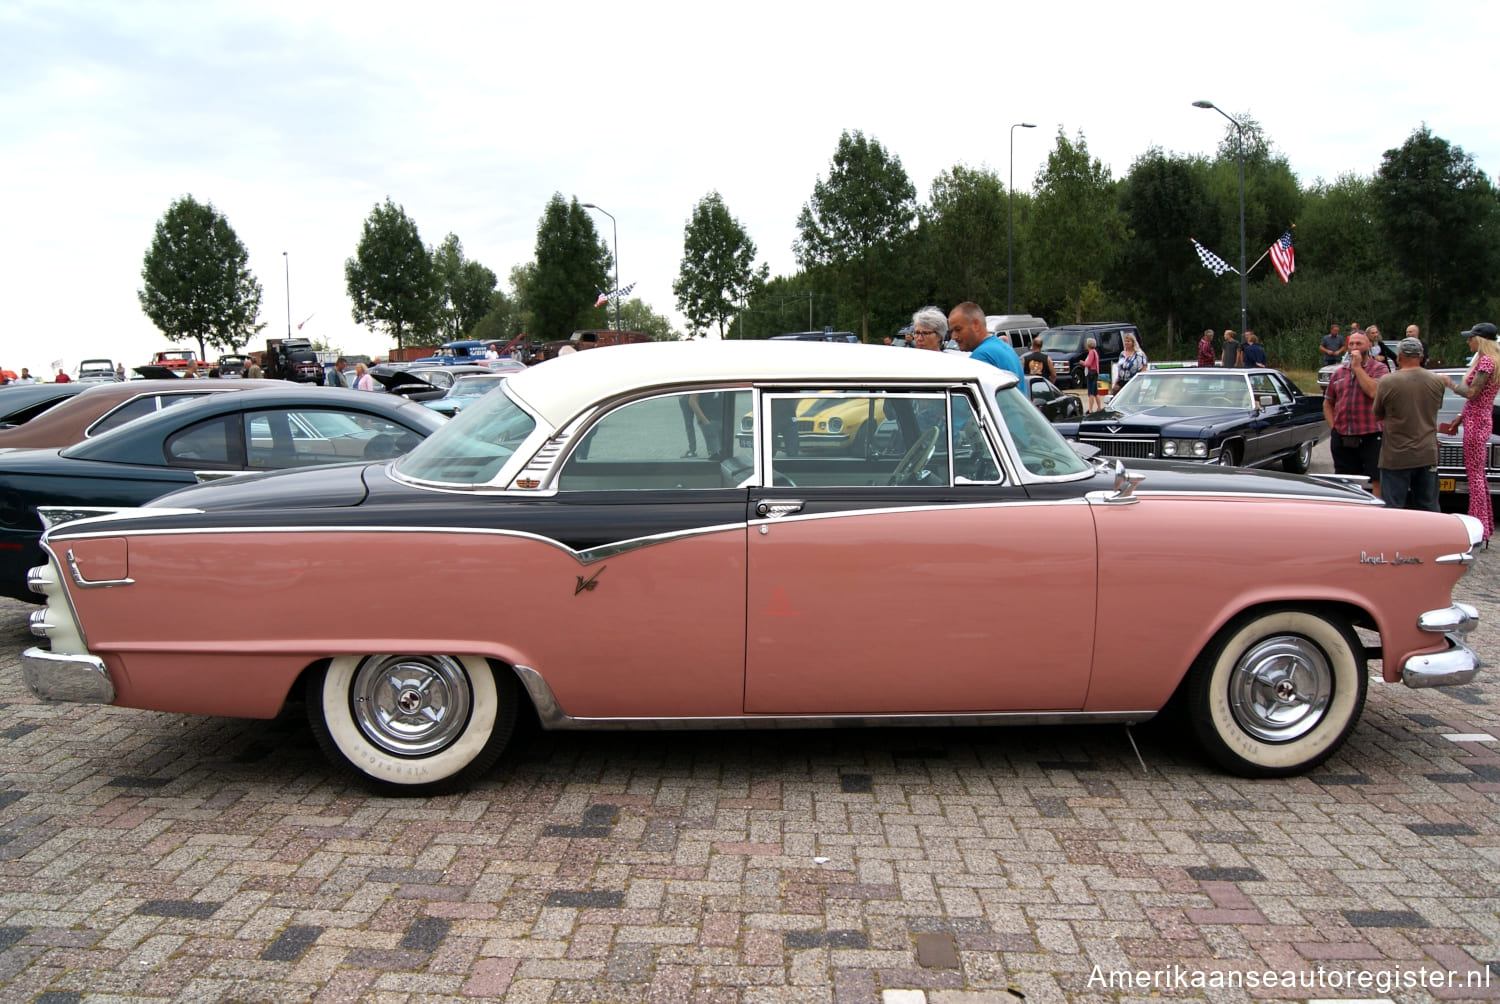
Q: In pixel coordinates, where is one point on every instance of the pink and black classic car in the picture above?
(610, 549)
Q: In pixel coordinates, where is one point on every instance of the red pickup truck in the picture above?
(175, 359)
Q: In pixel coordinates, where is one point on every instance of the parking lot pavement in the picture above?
(152, 857)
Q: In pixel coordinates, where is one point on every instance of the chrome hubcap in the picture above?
(411, 705)
(1280, 689)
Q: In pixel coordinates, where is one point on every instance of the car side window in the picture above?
(858, 440)
(1263, 386)
(695, 439)
(213, 443)
(310, 437)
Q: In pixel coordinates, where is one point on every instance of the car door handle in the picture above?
(776, 508)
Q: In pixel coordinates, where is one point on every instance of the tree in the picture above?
(718, 265)
(195, 280)
(1076, 228)
(965, 227)
(390, 278)
(572, 267)
(464, 288)
(1164, 201)
(859, 212)
(1441, 221)
(635, 315)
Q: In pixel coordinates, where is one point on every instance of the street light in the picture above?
(1010, 229)
(616, 228)
(288, 262)
(1240, 151)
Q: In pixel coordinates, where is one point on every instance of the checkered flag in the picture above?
(1212, 262)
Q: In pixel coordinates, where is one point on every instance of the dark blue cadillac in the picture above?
(1233, 417)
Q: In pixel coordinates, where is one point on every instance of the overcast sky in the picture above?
(296, 118)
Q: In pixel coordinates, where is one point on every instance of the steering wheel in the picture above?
(916, 458)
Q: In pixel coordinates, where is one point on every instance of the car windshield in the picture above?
(1194, 389)
(1058, 340)
(1041, 448)
(471, 449)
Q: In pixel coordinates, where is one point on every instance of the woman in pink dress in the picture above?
(1477, 419)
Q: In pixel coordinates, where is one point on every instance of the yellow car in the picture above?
(832, 424)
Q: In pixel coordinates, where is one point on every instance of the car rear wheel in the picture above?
(1277, 693)
(412, 724)
(1299, 461)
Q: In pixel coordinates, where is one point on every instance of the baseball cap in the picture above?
(1409, 347)
(1482, 330)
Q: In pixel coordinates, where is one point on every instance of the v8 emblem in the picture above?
(588, 584)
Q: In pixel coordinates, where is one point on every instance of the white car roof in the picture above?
(560, 388)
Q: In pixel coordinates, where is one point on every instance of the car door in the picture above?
(1276, 434)
(909, 572)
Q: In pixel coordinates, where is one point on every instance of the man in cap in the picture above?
(1407, 403)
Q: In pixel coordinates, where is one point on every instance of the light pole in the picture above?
(288, 262)
(1240, 151)
(1010, 226)
(616, 228)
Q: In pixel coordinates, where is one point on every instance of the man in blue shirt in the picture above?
(966, 325)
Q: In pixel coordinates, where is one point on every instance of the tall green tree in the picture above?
(391, 278)
(637, 315)
(1076, 230)
(854, 218)
(718, 265)
(464, 287)
(1441, 222)
(195, 281)
(1164, 202)
(965, 228)
(572, 267)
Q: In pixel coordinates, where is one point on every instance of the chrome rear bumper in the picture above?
(58, 676)
(1456, 665)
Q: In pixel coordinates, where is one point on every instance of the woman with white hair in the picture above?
(929, 329)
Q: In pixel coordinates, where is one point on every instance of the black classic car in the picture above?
(1234, 417)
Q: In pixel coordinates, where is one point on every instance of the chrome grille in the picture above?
(1121, 446)
(1450, 454)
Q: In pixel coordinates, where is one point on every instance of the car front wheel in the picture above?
(412, 724)
(1277, 693)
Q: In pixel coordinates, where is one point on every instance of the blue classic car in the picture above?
(1234, 417)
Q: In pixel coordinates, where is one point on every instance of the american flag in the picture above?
(603, 299)
(1283, 258)
(1211, 261)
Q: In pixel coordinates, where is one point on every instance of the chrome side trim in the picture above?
(58, 676)
(553, 718)
(84, 583)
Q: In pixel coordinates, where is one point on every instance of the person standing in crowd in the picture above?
(60, 375)
(120, 372)
(1477, 419)
(1206, 354)
(253, 370)
(1379, 349)
(1254, 353)
(1132, 361)
(1412, 331)
(1407, 403)
(1349, 409)
(1090, 366)
(25, 376)
(1231, 350)
(362, 378)
(929, 329)
(1038, 363)
(966, 322)
(1332, 345)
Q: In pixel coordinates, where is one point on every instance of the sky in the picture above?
(295, 119)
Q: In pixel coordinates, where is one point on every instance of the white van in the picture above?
(1018, 329)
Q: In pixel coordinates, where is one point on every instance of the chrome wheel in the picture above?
(1279, 690)
(411, 705)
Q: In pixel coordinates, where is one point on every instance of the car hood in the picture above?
(1165, 420)
(336, 486)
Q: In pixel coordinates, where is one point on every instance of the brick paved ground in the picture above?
(150, 857)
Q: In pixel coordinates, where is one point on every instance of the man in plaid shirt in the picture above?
(1349, 408)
